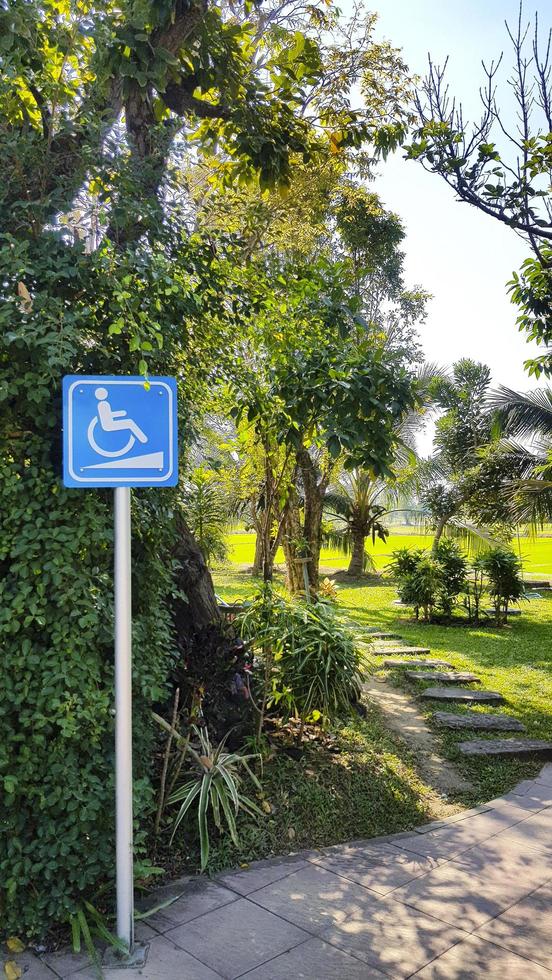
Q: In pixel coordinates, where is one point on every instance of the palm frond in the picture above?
(523, 414)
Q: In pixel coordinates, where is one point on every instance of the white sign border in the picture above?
(95, 480)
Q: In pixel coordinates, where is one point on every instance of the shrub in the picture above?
(453, 565)
(214, 787)
(311, 663)
(318, 664)
(56, 695)
(430, 580)
(504, 581)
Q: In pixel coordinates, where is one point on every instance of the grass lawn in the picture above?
(373, 787)
(535, 552)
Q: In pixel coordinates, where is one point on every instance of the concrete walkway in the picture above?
(467, 897)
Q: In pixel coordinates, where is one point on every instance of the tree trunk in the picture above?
(290, 536)
(356, 565)
(440, 527)
(194, 580)
(314, 504)
(258, 559)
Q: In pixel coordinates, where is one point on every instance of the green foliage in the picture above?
(214, 790)
(453, 568)
(206, 513)
(431, 581)
(316, 667)
(56, 559)
(505, 584)
(531, 291)
(505, 172)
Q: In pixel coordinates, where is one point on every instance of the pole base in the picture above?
(114, 960)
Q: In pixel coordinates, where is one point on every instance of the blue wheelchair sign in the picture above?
(119, 432)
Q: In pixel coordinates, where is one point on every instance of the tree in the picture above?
(527, 418)
(206, 513)
(462, 485)
(508, 181)
(352, 506)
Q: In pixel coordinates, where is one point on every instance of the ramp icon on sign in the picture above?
(118, 432)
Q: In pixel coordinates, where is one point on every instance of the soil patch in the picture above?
(402, 716)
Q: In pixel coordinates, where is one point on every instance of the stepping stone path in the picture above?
(417, 663)
(462, 694)
(515, 747)
(506, 746)
(479, 720)
(454, 677)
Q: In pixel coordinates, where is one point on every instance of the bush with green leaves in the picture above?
(314, 666)
(56, 577)
(502, 569)
(453, 565)
(431, 581)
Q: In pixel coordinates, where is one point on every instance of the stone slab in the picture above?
(379, 867)
(526, 927)
(408, 651)
(315, 959)
(462, 694)
(314, 898)
(455, 895)
(416, 663)
(165, 961)
(236, 938)
(511, 612)
(376, 635)
(261, 873)
(453, 677)
(195, 896)
(394, 938)
(506, 746)
(475, 958)
(480, 721)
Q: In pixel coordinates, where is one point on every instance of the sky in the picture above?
(461, 256)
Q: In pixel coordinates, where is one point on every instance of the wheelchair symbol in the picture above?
(111, 421)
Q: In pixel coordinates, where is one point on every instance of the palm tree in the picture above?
(353, 508)
(527, 418)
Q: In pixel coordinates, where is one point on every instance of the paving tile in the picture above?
(379, 867)
(33, 968)
(314, 898)
(65, 962)
(237, 937)
(455, 895)
(475, 959)
(260, 874)
(526, 927)
(397, 940)
(534, 832)
(450, 841)
(198, 896)
(165, 961)
(443, 677)
(503, 858)
(545, 775)
(526, 802)
(314, 959)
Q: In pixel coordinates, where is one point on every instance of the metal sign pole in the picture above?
(123, 719)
